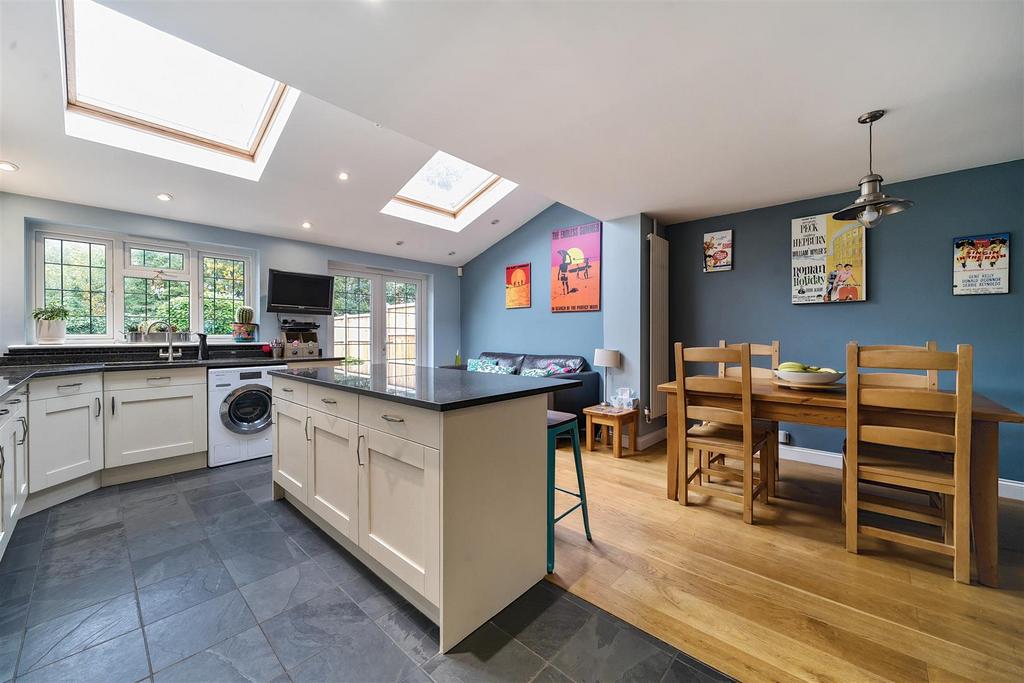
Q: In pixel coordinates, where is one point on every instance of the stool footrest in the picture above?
(571, 493)
(572, 509)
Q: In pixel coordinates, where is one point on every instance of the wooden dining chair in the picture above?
(909, 457)
(773, 352)
(726, 426)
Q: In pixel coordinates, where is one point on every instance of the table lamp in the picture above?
(606, 358)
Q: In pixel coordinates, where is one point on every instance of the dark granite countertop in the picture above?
(433, 388)
(12, 377)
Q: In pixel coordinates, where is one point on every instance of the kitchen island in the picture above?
(434, 478)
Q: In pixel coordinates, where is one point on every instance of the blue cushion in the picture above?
(474, 364)
(496, 369)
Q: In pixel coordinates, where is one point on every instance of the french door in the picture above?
(379, 318)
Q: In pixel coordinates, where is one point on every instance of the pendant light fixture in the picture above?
(872, 205)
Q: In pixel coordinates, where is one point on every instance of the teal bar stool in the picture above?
(564, 424)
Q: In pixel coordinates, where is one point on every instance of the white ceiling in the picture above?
(681, 110)
(300, 181)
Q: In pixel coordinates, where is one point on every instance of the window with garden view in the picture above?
(223, 292)
(75, 276)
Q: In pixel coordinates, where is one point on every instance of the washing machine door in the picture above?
(246, 410)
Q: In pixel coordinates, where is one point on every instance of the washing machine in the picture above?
(240, 413)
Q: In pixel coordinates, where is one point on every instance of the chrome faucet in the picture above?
(169, 352)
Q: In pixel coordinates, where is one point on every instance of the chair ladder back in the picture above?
(740, 388)
(772, 350)
(929, 380)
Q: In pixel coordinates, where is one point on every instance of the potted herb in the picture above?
(51, 324)
(244, 329)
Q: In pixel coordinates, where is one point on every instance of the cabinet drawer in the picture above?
(290, 390)
(408, 422)
(333, 402)
(149, 379)
(69, 385)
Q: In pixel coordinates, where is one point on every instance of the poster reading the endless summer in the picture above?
(517, 286)
(717, 251)
(828, 260)
(981, 264)
(576, 268)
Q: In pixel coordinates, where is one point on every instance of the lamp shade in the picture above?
(606, 358)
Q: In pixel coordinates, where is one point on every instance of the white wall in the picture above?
(19, 214)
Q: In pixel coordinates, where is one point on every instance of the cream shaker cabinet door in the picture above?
(400, 508)
(66, 437)
(10, 433)
(149, 424)
(333, 469)
(291, 448)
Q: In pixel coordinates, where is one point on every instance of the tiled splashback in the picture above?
(122, 352)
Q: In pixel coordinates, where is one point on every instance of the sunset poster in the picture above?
(517, 286)
(576, 269)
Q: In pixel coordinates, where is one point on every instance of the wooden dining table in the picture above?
(827, 408)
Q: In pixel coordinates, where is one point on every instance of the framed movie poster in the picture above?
(717, 251)
(576, 268)
(517, 286)
(981, 264)
(828, 260)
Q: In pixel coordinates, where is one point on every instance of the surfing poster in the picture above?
(517, 286)
(981, 264)
(828, 260)
(717, 251)
(576, 268)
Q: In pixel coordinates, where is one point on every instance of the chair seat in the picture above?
(557, 418)
(722, 437)
(912, 468)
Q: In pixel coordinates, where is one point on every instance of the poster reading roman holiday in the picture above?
(828, 262)
(576, 268)
(981, 264)
(717, 251)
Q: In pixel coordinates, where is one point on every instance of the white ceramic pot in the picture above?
(51, 331)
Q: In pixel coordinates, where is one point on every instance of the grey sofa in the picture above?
(569, 400)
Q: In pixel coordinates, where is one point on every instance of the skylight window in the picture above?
(448, 193)
(122, 72)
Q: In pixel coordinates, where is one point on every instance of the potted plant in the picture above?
(244, 329)
(51, 324)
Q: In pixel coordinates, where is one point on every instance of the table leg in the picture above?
(985, 499)
(633, 431)
(617, 443)
(672, 448)
(590, 433)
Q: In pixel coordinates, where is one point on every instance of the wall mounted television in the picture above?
(300, 293)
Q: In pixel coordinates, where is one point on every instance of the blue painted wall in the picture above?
(488, 326)
(19, 214)
(909, 266)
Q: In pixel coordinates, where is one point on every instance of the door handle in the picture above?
(329, 401)
(68, 386)
(24, 432)
(3, 462)
(392, 418)
(158, 379)
(359, 441)
(99, 405)
(287, 390)
(113, 406)
(307, 429)
(14, 401)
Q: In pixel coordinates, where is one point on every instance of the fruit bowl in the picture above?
(809, 377)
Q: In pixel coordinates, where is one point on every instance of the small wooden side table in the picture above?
(613, 420)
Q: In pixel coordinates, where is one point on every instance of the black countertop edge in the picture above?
(539, 385)
(13, 377)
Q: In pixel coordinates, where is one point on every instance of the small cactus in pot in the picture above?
(244, 329)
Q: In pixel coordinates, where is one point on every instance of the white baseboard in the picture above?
(645, 441)
(1014, 490)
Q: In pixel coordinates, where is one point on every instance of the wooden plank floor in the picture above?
(782, 600)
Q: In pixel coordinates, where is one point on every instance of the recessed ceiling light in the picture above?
(164, 197)
(8, 166)
(495, 221)
(306, 225)
(343, 176)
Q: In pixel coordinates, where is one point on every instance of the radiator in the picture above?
(659, 351)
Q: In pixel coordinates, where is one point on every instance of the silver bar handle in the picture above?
(359, 441)
(392, 418)
(99, 405)
(113, 405)
(329, 401)
(287, 390)
(68, 386)
(307, 428)
(4, 411)
(3, 463)
(158, 379)
(13, 401)
(24, 431)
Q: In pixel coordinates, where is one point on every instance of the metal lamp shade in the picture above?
(871, 195)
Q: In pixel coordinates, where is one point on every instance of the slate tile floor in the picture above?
(201, 577)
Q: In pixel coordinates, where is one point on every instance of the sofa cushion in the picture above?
(573, 363)
(496, 369)
(511, 360)
(474, 364)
